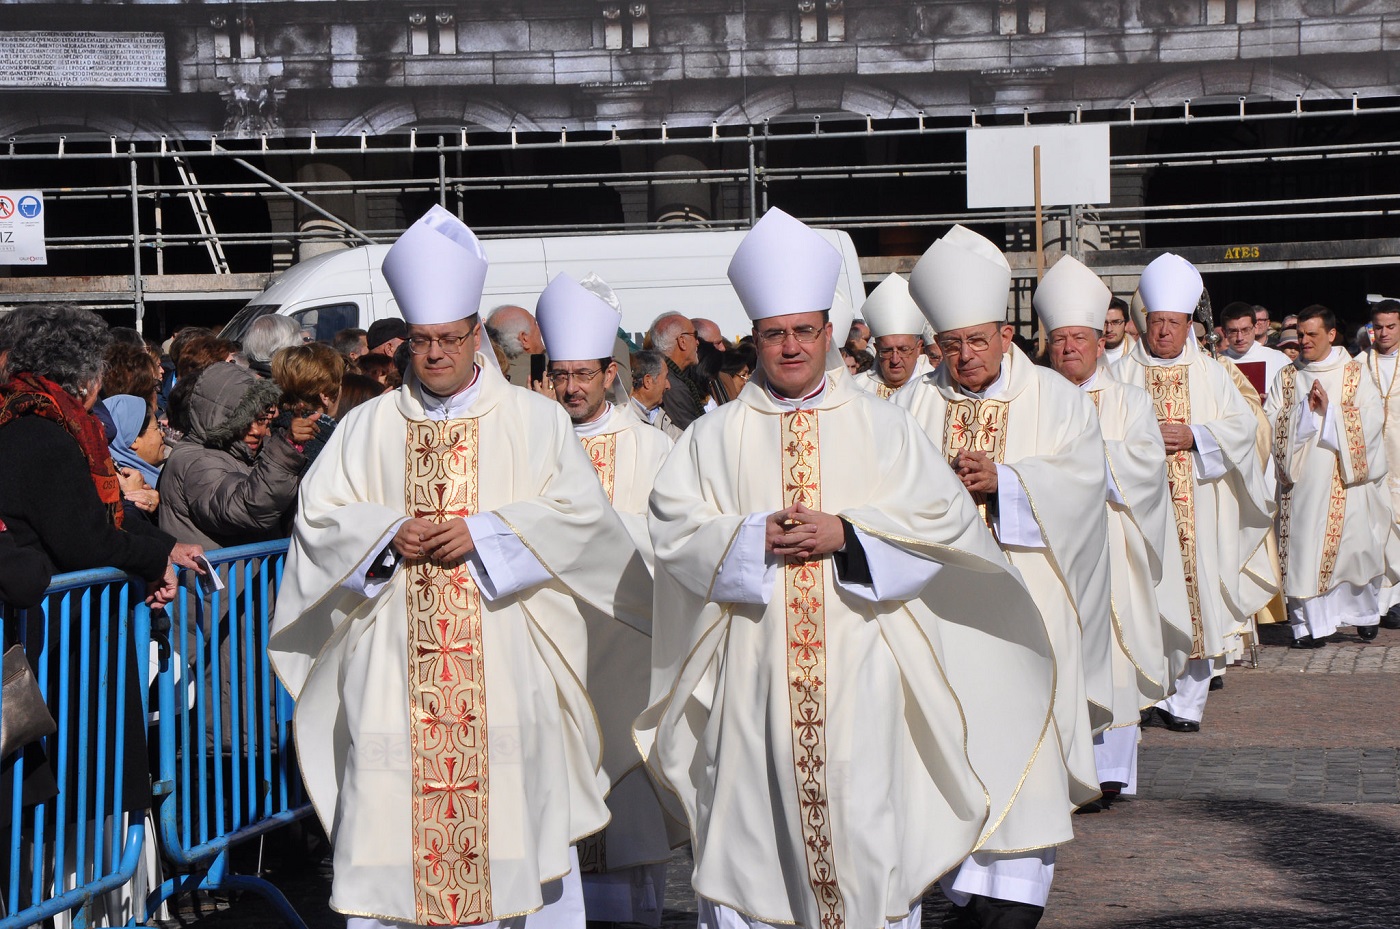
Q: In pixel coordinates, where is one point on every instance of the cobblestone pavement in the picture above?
(1280, 814)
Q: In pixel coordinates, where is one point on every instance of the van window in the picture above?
(326, 321)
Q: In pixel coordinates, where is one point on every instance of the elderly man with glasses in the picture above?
(1027, 445)
(431, 625)
(898, 329)
(676, 338)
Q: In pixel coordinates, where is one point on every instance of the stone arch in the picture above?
(74, 116)
(1256, 79)
(860, 98)
(400, 114)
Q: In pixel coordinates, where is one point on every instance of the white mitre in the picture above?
(889, 310)
(1170, 284)
(962, 280)
(1136, 312)
(841, 317)
(436, 270)
(1071, 295)
(784, 267)
(577, 324)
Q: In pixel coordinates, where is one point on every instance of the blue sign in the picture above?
(29, 206)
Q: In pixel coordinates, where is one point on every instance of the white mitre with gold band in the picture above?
(889, 310)
(962, 280)
(577, 324)
(1170, 284)
(1071, 295)
(436, 270)
(783, 266)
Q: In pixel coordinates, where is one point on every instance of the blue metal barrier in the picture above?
(86, 640)
(228, 771)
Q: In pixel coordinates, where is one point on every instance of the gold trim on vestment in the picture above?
(602, 452)
(447, 690)
(805, 593)
(884, 390)
(1351, 424)
(976, 426)
(1171, 400)
(1337, 493)
(1288, 397)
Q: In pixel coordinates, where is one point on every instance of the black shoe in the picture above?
(1391, 619)
(1367, 633)
(1146, 717)
(1177, 725)
(1111, 791)
(1093, 806)
(1217, 683)
(1308, 641)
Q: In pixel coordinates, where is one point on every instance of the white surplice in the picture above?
(1050, 523)
(871, 381)
(548, 545)
(919, 703)
(1335, 521)
(1385, 375)
(624, 866)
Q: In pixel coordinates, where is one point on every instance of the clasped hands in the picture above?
(803, 533)
(444, 544)
(1317, 398)
(977, 471)
(1177, 437)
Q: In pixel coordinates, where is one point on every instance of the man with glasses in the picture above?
(1261, 325)
(829, 612)
(898, 328)
(1026, 444)
(624, 866)
(1259, 363)
(1151, 622)
(675, 338)
(430, 625)
(1117, 341)
(707, 331)
(1220, 501)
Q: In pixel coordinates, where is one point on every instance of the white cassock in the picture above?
(624, 866)
(1221, 506)
(1044, 436)
(1335, 523)
(871, 381)
(1151, 619)
(443, 727)
(838, 745)
(1385, 375)
(1260, 364)
(1112, 356)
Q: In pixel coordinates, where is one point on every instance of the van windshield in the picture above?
(237, 327)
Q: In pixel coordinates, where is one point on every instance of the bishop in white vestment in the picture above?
(430, 626)
(1151, 621)
(1334, 518)
(851, 686)
(897, 330)
(1381, 368)
(624, 866)
(1220, 503)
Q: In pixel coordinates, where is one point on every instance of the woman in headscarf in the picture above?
(138, 450)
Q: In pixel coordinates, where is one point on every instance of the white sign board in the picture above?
(99, 60)
(1073, 165)
(22, 228)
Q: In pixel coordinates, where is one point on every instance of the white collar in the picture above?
(995, 389)
(788, 405)
(455, 406)
(1093, 379)
(596, 426)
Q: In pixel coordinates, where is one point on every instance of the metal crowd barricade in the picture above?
(89, 641)
(228, 771)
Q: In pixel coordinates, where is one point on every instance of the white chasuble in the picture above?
(835, 754)
(1335, 520)
(625, 453)
(1151, 619)
(1385, 375)
(442, 725)
(1220, 503)
(871, 381)
(1044, 434)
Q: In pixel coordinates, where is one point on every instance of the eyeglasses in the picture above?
(692, 334)
(450, 344)
(901, 351)
(803, 334)
(1114, 323)
(560, 378)
(978, 343)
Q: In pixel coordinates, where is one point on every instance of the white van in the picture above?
(652, 273)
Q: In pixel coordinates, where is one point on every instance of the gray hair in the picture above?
(506, 332)
(268, 334)
(65, 344)
(646, 363)
(666, 330)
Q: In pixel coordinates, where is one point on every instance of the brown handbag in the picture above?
(24, 717)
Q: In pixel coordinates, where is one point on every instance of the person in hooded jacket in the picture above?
(232, 479)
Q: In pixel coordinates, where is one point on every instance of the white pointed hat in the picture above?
(1170, 284)
(962, 280)
(577, 324)
(889, 310)
(783, 266)
(1071, 295)
(436, 270)
(841, 317)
